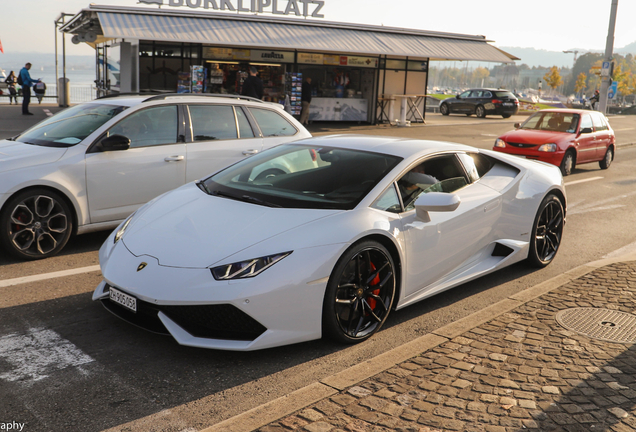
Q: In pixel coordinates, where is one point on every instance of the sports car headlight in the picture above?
(548, 147)
(120, 232)
(248, 268)
(500, 143)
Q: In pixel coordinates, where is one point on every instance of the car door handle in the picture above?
(174, 158)
(249, 152)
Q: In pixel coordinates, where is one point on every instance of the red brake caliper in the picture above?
(375, 281)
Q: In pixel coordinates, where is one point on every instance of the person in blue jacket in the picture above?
(26, 84)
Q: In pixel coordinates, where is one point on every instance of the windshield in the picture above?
(553, 122)
(302, 176)
(71, 126)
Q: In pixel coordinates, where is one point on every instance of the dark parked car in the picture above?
(481, 102)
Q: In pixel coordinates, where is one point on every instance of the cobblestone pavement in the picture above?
(520, 371)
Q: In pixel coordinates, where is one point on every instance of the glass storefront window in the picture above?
(395, 64)
(167, 50)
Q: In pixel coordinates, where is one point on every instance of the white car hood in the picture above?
(16, 155)
(188, 228)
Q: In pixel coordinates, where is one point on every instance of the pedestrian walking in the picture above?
(24, 79)
(13, 93)
(305, 98)
(253, 85)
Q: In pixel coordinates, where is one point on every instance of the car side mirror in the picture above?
(435, 202)
(115, 143)
(586, 130)
(517, 125)
(457, 97)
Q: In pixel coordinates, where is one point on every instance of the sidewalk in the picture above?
(510, 367)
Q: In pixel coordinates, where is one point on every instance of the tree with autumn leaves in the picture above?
(553, 78)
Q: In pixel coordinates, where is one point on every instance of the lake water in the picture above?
(82, 85)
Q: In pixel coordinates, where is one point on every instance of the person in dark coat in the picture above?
(13, 93)
(253, 85)
(305, 98)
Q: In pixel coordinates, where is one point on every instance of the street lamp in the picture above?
(575, 54)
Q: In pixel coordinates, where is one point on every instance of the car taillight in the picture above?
(496, 101)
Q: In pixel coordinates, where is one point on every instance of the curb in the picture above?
(308, 395)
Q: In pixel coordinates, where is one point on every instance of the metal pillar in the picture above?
(609, 47)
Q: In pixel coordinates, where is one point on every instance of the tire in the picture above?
(547, 232)
(506, 115)
(356, 302)
(568, 163)
(607, 160)
(480, 111)
(35, 224)
(444, 110)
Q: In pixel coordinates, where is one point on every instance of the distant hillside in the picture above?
(534, 57)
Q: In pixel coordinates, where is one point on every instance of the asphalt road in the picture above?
(67, 364)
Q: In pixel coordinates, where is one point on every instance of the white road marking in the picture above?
(37, 278)
(47, 112)
(630, 248)
(490, 135)
(623, 129)
(38, 353)
(583, 181)
(601, 205)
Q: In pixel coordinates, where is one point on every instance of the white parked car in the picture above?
(352, 227)
(90, 166)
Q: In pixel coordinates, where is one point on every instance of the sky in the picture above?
(553, 25)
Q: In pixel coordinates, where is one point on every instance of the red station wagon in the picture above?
(562, 137)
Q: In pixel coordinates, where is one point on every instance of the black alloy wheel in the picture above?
(546, 232)
(567, 163)
(607, 160)
(480, 111)
(359, 294)
(443, 108)
(35, 224)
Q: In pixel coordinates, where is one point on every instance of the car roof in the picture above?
(131, 100)
(489, 89)
(567, 110)
(402, 147)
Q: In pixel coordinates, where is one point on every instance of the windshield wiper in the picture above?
(203, 187)
(255, 200)
(244, 198)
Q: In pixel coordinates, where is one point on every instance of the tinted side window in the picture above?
(388, 201)
(149, 127)
(476, 94)
(439, 174)
(487, 94)
(586, 121)
(475, 164)
(599, 121)
(272, 123)
(465, 94)
(245, 130)
(212, 122)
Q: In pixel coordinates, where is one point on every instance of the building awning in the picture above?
(260, 32)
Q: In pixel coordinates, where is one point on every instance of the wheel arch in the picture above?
(61, 193)
(395, 255)
(561, 196)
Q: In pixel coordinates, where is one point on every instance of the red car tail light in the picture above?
(496, 101)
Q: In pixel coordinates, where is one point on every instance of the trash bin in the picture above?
(63, 92)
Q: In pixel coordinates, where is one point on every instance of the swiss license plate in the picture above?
(507, 104)
(129, 302)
